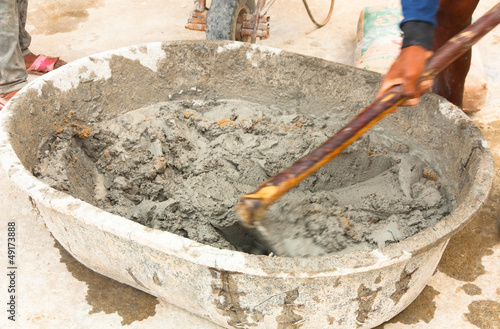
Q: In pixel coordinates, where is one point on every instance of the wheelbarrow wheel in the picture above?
(225, 17)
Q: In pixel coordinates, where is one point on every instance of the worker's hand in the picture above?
(405, 71)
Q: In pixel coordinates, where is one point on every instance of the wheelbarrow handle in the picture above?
(251, 208)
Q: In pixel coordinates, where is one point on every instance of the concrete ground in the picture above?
(55, 291)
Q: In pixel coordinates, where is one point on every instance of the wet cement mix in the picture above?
(182, 166)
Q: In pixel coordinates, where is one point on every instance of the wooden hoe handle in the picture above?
(251, 208)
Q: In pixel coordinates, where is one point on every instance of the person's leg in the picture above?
(453, 16)
(25, 41)
(24, 36)
(13, 75)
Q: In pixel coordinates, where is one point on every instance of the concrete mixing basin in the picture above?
(235, 289)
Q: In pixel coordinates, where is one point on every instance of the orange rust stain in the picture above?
(59, 128)
(82, 131)
(224, 122)
(430, 175)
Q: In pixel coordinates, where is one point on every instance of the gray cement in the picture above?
(182, 166)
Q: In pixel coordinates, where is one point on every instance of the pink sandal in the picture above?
(43, 64)
(3, 102)
(6, 98)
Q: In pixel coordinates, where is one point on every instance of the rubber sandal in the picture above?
(43, 64)
(6, 98)
(3, 102)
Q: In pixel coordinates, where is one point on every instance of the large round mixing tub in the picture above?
(235, 289)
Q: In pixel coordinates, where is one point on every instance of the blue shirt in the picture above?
(420, 10)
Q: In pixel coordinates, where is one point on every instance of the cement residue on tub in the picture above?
(182, 167)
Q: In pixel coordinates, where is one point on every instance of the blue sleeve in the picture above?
(420, 10)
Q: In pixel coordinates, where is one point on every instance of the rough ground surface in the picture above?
(182, 166)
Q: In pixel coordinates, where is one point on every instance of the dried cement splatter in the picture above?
(182, 166)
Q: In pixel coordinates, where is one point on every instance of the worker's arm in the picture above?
(418, 34)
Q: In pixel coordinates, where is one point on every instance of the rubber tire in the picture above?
(222, 18)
